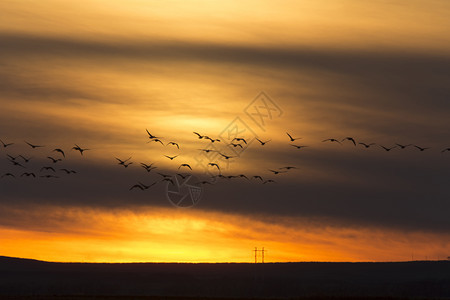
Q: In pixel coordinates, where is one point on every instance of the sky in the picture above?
(98, 74)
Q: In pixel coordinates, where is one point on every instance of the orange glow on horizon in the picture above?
(166, 235)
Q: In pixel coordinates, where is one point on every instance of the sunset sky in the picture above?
(99, 73)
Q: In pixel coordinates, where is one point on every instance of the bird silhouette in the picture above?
(78, 148)
(60, 151)
(6, 144)
(28, 174)
(349, 139)
(126, 165)
(185, 165)
(24, 158)
(183, 176)
(148, 168)
(47, 169)
(240, 140)
(207, 150)
(421, 148)
(151, 136)
(269, 181)
(403, 146)
(156, 140)
(49, 176)
(367, 145)
(69, 171)
(165, 175)
(243, 176)
(236, 145)
(288, 168)
(168, 180)
(12, 157)
(276, 172)
(54, 160)
(171, 157)
(388, 149)
(214, 165)
(212, 140)
(122, 162)
(446, 149)
(226, 156)
(204, 182)
(261, 142)
(291, 138)
(8, 175)
(142, 186)
(34, 146)
(199, 135)
(173, 143)
(332, 140)
(298, 146)
(257, 177)
(16, 163)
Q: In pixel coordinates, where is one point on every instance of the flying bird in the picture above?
(291, 138)
(49, 176)
(6, 144)
(199, 135)
(214, 165)
(367, 145)
(47, 169)
(8, 174)
(236, 145)
(257, 177)
(68, 171)
(165, 175)
(142, 186)
(16, 163)
(403, 146)
(28, 175)
(207, 150)
(446, 149)
(183, 176)
(243, 176)
(240, 140)
(13, 157)
(388, 149)
(262, 143)
(185, 165)
(122, 162)
(277, 172)
(421, 148)
(24, 158)
(168, 180)
(34, 146)
(173, 143)
(60, 151)
(78, 148)
(269, 181)
(298, 146)
(212, 140)
(226, 156)
(349, 139)
(151, 136)
(332, 140)
(171, 157)
(156, 140)
(54, 160)
(204, 182)
(288, 168)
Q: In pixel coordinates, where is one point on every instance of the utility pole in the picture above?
(256, 254)
(262, 252)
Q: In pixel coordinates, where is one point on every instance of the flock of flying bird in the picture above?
(235, 142)
(21, 163)
(57, 155)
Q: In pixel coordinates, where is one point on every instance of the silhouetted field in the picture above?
(30, 279)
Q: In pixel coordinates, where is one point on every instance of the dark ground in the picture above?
(30, 279)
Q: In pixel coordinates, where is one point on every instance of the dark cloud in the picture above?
(389, 96)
